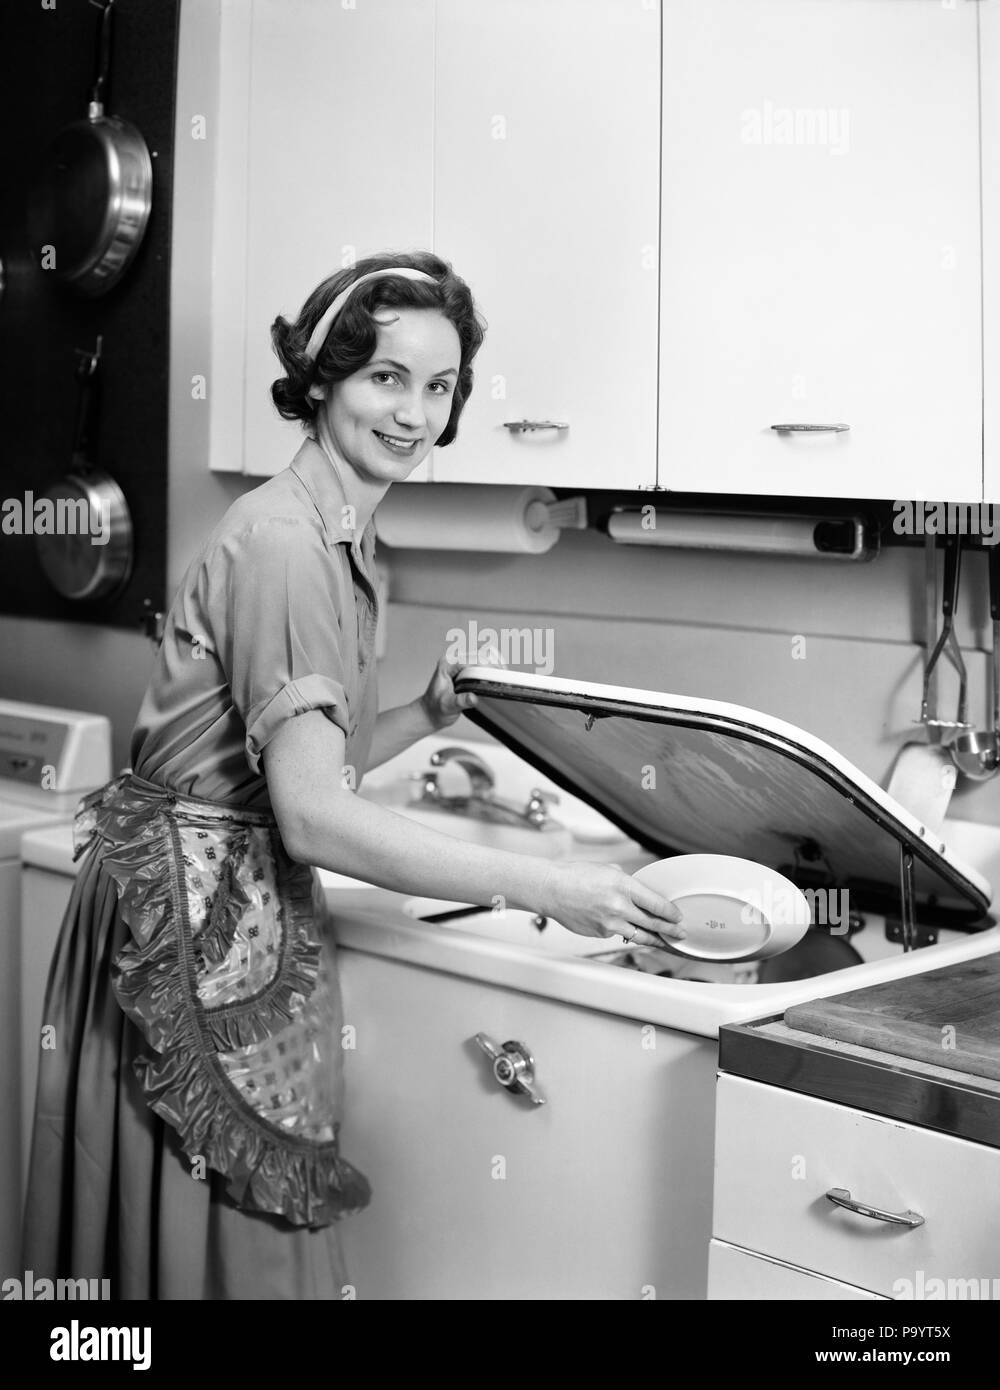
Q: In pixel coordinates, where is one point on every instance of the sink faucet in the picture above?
(482, 801)
(479, 775)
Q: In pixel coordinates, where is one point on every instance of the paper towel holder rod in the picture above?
(841, 538)
(567, 514)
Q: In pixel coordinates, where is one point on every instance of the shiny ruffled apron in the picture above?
(231, 979)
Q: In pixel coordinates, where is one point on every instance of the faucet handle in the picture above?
(429, 790)
(537, 810)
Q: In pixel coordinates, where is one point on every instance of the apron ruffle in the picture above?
(226, 977)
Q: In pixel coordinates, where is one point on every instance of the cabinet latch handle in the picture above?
(513, 1067)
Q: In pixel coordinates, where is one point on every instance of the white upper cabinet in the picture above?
(326, 157)
(820, 256)
(788, 233)
(546, 178)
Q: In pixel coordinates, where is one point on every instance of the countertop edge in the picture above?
(954, 1103)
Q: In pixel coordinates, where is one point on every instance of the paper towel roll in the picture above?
(922, 780)
(466, 516)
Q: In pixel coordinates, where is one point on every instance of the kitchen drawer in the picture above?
(778, 1153)
(736, 1273)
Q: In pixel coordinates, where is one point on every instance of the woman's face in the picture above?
(385, 418)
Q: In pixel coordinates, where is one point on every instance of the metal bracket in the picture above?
(922, 936)
(909, 930)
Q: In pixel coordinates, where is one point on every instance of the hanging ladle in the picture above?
(976, 753)
(948, 642)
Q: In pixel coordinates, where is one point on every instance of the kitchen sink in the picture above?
(513, 926)
(555, 842)
(822, 951)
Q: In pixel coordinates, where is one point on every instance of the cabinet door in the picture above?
(336, 102)
(820, 252)
(546, 202)
(603, 1192)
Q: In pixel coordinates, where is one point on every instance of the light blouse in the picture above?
(274, 617)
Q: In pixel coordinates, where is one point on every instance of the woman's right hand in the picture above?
(601, 900)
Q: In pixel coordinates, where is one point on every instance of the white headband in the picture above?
(318, 336)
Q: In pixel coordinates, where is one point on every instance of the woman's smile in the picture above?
(395, 444)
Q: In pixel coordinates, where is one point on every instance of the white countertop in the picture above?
(50, 847)
(15, 821)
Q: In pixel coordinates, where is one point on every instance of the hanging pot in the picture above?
(92, 198)
(93, 560)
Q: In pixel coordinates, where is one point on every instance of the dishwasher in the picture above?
(540, 1124)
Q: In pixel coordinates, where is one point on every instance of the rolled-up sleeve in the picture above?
(288, 629)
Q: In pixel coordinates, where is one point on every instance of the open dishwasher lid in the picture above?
(689, 776)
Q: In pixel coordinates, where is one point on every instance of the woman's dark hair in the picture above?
(351, 341)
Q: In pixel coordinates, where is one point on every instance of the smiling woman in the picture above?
(186, 1127)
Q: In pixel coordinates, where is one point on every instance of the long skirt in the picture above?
(185, 1134)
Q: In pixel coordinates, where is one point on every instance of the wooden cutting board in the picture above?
(949, 1017)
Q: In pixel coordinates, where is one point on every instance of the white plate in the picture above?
(733, 909)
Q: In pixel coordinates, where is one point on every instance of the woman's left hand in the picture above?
(440, 703)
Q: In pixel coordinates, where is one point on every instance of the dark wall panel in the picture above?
(47, 67)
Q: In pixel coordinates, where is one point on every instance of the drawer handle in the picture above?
(524, 426)
(810, 429)
(513, 1067)
(840, 1197)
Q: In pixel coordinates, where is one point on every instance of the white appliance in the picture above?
(605, 1190)
(48, 759)
(47, 875)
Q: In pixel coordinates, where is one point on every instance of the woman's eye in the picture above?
(440, 388)
(383, 376)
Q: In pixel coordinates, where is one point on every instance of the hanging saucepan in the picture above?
(91, 202)
(85, 547)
